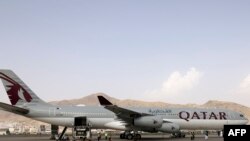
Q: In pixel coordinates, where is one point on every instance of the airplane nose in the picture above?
(247, 121)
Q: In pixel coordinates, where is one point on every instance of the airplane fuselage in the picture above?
(101, 118)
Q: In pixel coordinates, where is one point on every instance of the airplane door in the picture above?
(52, 112)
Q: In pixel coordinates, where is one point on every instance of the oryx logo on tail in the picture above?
(15, 91)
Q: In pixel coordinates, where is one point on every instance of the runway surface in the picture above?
(115, 138)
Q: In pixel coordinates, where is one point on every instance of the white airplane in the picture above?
(108, 116)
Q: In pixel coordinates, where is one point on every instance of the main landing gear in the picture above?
(130, 135)
(178, 135)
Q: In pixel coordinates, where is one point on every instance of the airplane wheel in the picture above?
(122, 136)
(130, 137)
(138, 136)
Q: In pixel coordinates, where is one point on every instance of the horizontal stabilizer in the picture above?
(13, 109)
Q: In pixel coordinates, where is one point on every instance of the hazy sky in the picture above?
(175, 51)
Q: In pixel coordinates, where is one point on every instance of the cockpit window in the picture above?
(241, 115)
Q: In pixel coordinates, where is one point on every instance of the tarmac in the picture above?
(114, 138)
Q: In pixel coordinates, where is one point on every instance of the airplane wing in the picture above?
(13, 109)
(122, 113)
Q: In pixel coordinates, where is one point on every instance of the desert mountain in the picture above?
(92, 100)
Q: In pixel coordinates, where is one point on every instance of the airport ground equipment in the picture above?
(82, 129)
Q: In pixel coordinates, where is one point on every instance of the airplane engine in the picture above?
(169, 128)
(148, 121)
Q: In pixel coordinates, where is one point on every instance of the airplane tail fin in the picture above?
(18, 92)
